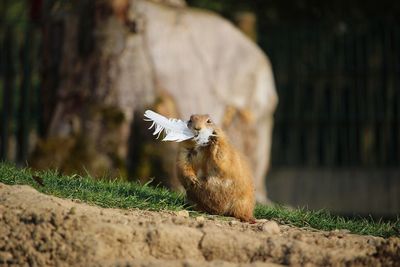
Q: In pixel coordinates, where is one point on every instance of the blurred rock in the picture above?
(174, 60)
(182, 213)
(270, 227)
(200, 219)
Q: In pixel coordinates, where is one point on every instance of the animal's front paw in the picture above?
(193, 181)
(214, 136)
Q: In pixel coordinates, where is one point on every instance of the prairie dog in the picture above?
(216, 177)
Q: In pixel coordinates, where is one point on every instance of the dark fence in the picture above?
(339, 90)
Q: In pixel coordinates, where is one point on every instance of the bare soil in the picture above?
(41, 230)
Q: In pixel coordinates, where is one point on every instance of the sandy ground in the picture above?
(41, 230)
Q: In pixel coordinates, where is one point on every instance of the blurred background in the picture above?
(336, 65)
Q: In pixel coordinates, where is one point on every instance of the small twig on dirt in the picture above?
(38, 179)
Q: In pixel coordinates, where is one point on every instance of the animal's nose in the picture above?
(196, 128)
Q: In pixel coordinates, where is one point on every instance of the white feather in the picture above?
(203, 138)
(175, 130)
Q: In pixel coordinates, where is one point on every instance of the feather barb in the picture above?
(175, 130)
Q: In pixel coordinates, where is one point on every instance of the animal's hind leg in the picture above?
(243, 210)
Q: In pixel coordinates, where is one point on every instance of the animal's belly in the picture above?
(217, 194)
(218, 184)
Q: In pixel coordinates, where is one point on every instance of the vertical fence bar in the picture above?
(396, 108)
(24, 104)
(320, 98)
(2, 93)
(292, 127)
(379, 92)
(385, 104)
(362, 67)
(287, 99)
(360, 96)
(353, 99)
(8, 86)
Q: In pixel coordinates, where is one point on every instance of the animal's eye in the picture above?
(208, 121)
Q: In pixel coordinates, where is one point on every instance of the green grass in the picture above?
(120, 194)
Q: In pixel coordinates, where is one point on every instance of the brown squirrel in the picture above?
(216, 177)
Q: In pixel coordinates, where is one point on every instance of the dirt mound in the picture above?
(41, 230)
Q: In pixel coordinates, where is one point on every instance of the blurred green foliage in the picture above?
(13, 11)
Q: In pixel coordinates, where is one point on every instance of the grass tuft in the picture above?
(125, 195)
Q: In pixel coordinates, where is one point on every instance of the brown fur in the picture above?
(216, 177)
